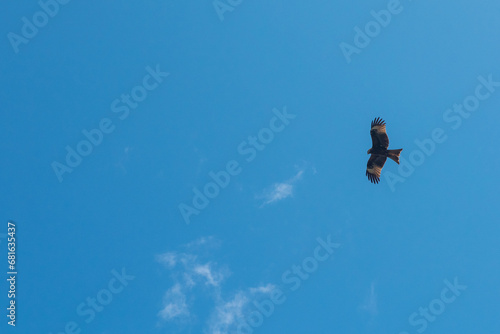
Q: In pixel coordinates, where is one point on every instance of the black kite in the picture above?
(379, 152)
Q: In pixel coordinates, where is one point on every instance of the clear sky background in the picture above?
(399, 245)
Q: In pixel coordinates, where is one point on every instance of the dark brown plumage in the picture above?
(379, 152)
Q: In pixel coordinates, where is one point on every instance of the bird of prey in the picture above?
(379, 152)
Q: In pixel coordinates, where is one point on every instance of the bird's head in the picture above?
(369, 151)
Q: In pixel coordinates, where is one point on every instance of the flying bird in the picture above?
(379, 152)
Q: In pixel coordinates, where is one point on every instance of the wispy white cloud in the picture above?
(168, 259)
(188, 280)
(213, 277)
(370, 303)
(279, 191)
(188, 271)
(227, 315)
(262, 289)
(203, 242)
(174, 304)
(194, 277)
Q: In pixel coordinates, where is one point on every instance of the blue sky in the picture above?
(116, 117)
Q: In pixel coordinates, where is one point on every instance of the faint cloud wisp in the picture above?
(174, 304)
(188, 274)
(280, 191)
(370, 303)
(195, 277)
(249, 149)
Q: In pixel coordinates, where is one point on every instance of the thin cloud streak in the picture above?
(188, 272)
(370, 303)
(193, 277)
(227, 315)
(175, 304)
(280, 191)
(213, 278)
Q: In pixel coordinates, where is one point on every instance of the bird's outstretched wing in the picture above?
(379, 136)
(374, 167)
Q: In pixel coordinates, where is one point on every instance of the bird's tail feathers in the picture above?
(394, 154)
